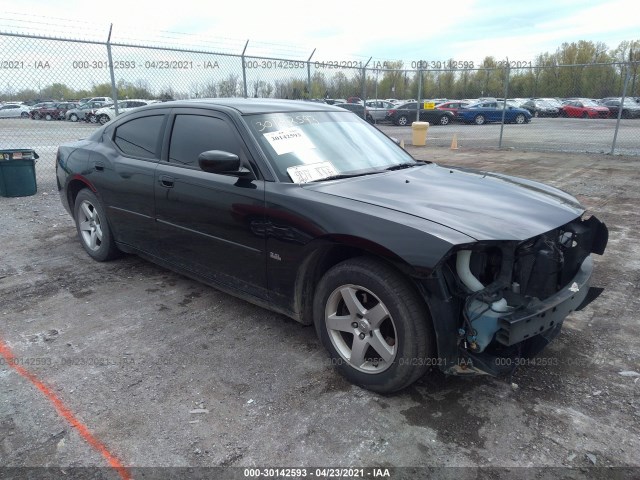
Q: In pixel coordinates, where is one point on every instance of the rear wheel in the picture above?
(24, 114)
(48, 116)
(73, 117)
(402, 120)
(102, 119)
(93, 227)
(374, 325)
(479, 120)
(585, 115)
(444, 120)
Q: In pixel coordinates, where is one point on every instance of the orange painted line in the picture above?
(63, 410)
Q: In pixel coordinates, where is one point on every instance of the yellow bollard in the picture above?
(454, 142)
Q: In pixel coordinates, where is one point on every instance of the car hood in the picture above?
(484, 206)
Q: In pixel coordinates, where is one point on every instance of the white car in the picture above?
(13, 110)
(103, 115)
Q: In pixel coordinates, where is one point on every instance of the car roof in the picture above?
(251, 105)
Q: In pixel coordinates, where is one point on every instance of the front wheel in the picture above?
(585, 115)
(48, 116)
(479, 120)
(402, 120)
(93, 228)
(73, 117)
(24, 115)
(103, 119)
(374, 325)
(520, 119)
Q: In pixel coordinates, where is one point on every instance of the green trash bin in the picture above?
(18, 172)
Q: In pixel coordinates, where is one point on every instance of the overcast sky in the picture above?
(339, 29)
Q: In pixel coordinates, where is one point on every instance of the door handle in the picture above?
(166, 181)
(99, 167)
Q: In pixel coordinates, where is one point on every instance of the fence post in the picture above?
(419, 99)
(244, 71)
(114, 90)
(309, 72)
(363, 89)
(504, 103)
(624, 94)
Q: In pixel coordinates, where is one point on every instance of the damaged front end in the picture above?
(511, 297)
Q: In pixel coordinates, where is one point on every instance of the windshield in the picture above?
(338, 143)
(590, 103)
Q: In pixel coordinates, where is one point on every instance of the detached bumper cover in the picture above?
(541, 316)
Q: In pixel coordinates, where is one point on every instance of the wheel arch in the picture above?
(74, 187)
(331, 252)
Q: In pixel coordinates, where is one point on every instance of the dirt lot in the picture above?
(165, 372)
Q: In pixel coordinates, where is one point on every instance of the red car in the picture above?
(452, 106)
(583, 108)
(53, 111)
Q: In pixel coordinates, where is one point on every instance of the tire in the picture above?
(73, 117)
(479, 120)
(563, 114)
(625, 114)
(102, 119)
(370, 119)
(585, 115)
(536, 113)
(37, 116)
(24, 115)
(367, 304)
(93, 227)
(444, 120)
(48, 116)
(402, 120)
(520, 119)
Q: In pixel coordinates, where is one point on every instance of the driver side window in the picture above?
(193, 134)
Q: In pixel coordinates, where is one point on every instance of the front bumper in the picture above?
(543, 315)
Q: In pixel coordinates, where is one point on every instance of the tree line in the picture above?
(577, 69)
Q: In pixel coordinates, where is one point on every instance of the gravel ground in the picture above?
(166, 372)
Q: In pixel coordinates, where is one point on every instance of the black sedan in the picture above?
(308, 210)
(630, 108)
(406, 113)
(541, 108)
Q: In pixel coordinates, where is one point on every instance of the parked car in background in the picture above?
(14, 110)
(541, 108)
(358, 109)
(106, 114)
(333, 101)
(405, 114)
(401, 265)
(630, 108)
(378, 109)
(452, 106)
(583, 108)
(52, 111)
(81, 111)
(486, 112)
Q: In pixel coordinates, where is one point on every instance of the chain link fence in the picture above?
(37, 69)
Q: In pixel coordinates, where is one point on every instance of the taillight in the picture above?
(392, 111)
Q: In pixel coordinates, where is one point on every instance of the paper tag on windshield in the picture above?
(311, 172)
(289, 140)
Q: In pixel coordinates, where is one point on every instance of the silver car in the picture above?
(378, 109)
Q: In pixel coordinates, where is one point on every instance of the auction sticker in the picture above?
(311, 172)
(289, 140)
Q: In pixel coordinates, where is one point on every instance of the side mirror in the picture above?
(218, 161)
